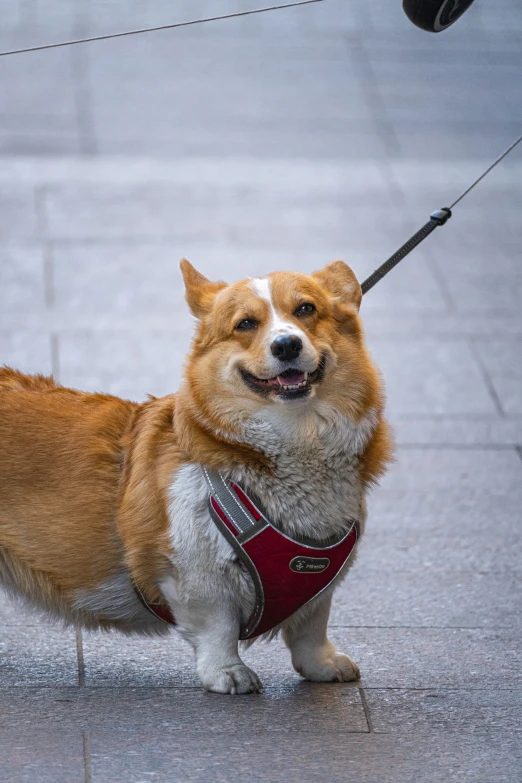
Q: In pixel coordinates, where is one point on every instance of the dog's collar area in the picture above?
(286, 573)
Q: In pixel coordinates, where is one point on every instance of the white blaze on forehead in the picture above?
(262, 288)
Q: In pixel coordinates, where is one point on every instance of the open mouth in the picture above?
(289, 385)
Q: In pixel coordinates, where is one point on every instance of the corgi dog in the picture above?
(104, 503)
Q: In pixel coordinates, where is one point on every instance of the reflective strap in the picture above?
(224, 525)
(238, 508)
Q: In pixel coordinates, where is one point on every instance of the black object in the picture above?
(435, 15)
(437, 218)
(287, 347)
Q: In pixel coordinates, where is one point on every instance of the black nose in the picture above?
(287, 348)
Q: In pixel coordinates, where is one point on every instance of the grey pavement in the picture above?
(281, 141)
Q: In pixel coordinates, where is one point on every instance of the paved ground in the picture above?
(282, 140)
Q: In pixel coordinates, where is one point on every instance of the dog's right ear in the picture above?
(199, 292)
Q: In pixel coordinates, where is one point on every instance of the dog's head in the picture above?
(287, 339)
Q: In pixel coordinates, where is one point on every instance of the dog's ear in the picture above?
(341, 282)
(199, 292)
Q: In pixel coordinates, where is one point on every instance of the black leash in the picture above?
(437, 218)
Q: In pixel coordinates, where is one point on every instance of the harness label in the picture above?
(309, 565)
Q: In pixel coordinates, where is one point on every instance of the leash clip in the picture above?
(441, 216)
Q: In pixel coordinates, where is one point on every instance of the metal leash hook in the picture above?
(437, 218)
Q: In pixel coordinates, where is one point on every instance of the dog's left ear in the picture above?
(199, 292)
(341, 282)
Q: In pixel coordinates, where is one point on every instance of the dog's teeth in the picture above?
(294, 387)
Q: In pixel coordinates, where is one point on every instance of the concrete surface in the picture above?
(278, 141)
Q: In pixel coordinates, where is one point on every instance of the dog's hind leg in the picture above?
(314, 656)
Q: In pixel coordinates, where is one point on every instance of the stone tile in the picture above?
(439, 509)
(157, 212)
(420, 535)
(490, 90)
(17, 212)
(486, 712)
(363, 182)
(21, 278)
(231, 98)
(37, 656)
(470, 140)
(413, 48)
(425, 183)
(490, 431)
(412, 286)
(254, 77)
(129, 364)
(11, 13)
(38, 102)
(26, 351)
(228, 105)
(486, 291)
(503, 363)
(250, 140)
(431, 325)
(456, 477)
(38, 84)
(119, 716)
(35, 23)
(425, 376)
(331, 18)
(34, 753)
(466, 266)
(508, 16)
(305, 759)
(433, 657)
(432, 595)
(119, 281)
(122, 710)
(20, 140)
(114, 660)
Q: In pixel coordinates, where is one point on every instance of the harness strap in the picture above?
(286, 573)
(161, 611)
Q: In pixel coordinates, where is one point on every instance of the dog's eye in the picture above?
(307, 308)
(246, 324)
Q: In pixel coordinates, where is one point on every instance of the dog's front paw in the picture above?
(234, 679)
(334, 667)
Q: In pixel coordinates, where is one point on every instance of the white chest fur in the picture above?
(314, 491)
(315, 488)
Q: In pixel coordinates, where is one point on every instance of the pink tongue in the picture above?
(292, 379)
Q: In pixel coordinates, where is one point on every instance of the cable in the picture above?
(437, 218)
(506, 152)
(155, 29)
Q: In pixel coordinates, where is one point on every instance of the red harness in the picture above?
(286, 573)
